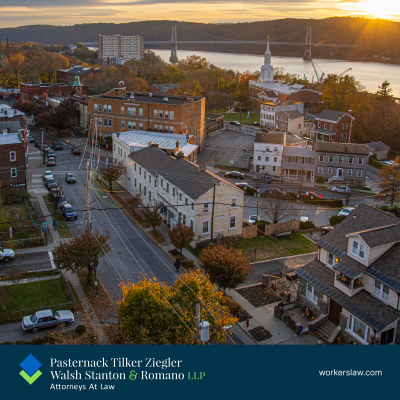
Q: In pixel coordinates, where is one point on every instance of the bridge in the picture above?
(157, 36)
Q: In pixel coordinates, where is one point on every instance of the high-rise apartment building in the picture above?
(127, 47)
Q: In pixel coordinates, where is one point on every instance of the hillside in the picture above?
(375, 36)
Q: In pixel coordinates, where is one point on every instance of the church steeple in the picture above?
(267, 70)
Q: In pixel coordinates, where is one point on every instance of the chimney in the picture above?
(180, 154)
(202, 167)
(178, 145)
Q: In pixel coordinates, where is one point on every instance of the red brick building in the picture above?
(121, 111)
(68, 75)
(13, 152)
(31, 91)
(164, 88)
(333, 126)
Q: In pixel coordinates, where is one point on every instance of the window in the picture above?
(358, 249)
(166, 114)
(233, 202)
(100, 108)
(266, 158)
(331, 127)
(144, 190)
(155, 113)
(360, 329)
(351, 160)
(232, 222)
(381, 290)
(13, 172)
(140, 126)
(171, 129)
(173, 192)
(140, 187)
(122, 110)
(140, 112)
(180, 197)
(319, 124)
(149, 178)
(109, 108)
(184, 219)
(191, 224)
(149, 195)
(156, 127)
(160, 128)
(160, 113)
(95, 107)
(349, 172)
(135, 182)
(275, 159)
(341, 136)
(329, 170)
(259, 158)
(161, 182)
(205, 226)
(140, 170)
(332, 260)
(124, 154)
(105, 121)
(387, 337)
(192, 206)
(122, 124)
(110, 122)
(320, 170)
(359, 173)
(186, 201)
(325, 125)
(100, 121)
(135, 166)
(312, 293)
(167, 188)
(340, 159)
(267, 149)
(275, 149)
(360, 161)
(144, 174)
(205, 207)
(273, 168)
(171, 115)
(321, 158)
(330, 159)
(13, 156)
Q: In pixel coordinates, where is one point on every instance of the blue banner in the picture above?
(197, 372)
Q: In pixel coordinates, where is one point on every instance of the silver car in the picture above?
(46, 319)
(6, 255)
(341, 189)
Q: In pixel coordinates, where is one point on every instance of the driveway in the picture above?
(27, 262)
(13, 332)
(272, 267)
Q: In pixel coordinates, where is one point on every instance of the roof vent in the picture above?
(132, 97)
(165, 99)
(150, 94)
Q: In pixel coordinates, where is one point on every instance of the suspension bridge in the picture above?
(187, 36)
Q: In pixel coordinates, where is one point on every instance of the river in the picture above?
(370, 74)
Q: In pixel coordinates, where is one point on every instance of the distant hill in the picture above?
(375, 36)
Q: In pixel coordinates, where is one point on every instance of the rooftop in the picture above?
(10, 138)
(181, 173)
(294, 114)
(164, 140)
(78, 70)
(331, 115)
(9, 112)
(376, 146)
(298, 151)
(282, 103)
(44, 85)
(270, 137)
(333, 147)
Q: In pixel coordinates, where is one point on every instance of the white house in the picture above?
(185, 191)
(268, 152)
(270, 109)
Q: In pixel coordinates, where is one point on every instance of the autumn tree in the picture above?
(154, 313)
(389, 183)
(152, 216)
(54, 198)
(181, 236)
(134, 201)
(14, 65)
(276, 207)
(82, 252)
(384, 90)
(113, 172)
(226, 266)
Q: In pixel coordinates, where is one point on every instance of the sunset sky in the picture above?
(70, 12)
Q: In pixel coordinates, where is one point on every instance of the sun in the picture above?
(381, 8)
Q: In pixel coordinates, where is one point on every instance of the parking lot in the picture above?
(27, 262)
(227, 148)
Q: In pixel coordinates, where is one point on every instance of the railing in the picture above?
(23, 243)
(248, 130)
(173, 222)
(336, 178)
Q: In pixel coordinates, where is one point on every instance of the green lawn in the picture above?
(32, 295)
(62, 226)
(246, 121)
(268, 247)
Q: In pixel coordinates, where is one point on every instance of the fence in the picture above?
(270, 230)
(23, 243)
(241, 128)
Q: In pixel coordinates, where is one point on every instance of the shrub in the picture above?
(14, 196)
(80, 330)
(307, 225)
(375, 163)
(188, 264)
(250, 191)
(336, 219)
(262, 222)
(320, 179)
(233, 306)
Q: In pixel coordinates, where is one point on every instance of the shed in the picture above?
(378, 149)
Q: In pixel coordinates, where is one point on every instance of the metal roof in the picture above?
(387, 280)
(331, 248)
(376, 146)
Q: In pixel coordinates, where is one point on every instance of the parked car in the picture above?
(303, 219)
(256, 123)
(76, 151)
(37, 143)
(6, 255)
(68, 212)
(70, 178)
(51, 162)
(46, 148)
(51, 183)
(312, 195)
(51, 154)
(262, 178)
(57, 146)
(275, 190)
(341, 189)
(237, 123)
(253, 219)
(31, 139)
(62, 202)
(47, 319)
(326, 229)
(245, 186)
(234, 174)
(346, 211)
(47, 175)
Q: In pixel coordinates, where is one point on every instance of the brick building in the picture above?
(32, 91)
(13, 151)
(120, 111)
(67, 75)
(167, 88)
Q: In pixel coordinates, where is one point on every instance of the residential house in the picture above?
(11, 119)
(298, 164)
(378, 149)
(354, 283)
(269, 113)
(292, 122)
(13, 156)
(164, 88)
(346, 162)
(333, 126)
(67, 75)
(119, 111)
(268, 151)
(185, 193)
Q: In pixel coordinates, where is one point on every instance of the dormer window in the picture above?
(332, 260)
(381, 290)
(358, 249)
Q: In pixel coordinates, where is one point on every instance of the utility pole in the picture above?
(257, 210)
(87, 196)
(213, 210)
(198, 340)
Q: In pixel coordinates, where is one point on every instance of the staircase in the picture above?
(326, 329)
(335, 178)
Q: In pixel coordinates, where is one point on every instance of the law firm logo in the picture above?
(30, 369)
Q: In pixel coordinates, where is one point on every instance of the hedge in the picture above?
(336, 203)
(336, 219)
(375, 163)
(306, 225)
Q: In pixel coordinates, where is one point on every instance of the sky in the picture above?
(70, 12)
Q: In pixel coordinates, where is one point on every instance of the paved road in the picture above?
(27, 262)
(13, 332)
(272, 267)
(132, 254)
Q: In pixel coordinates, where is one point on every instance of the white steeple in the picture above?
(267, 70)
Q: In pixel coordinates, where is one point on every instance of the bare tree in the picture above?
(15, 275)
(276, 207)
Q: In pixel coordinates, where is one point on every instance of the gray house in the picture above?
(341, 162)
(298, 163)
(378, 149)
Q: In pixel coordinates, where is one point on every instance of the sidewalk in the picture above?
(28, 280)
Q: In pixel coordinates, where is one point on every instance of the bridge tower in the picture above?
(174, 45)
(307, 50)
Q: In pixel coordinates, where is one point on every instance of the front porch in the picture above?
(297, 175)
